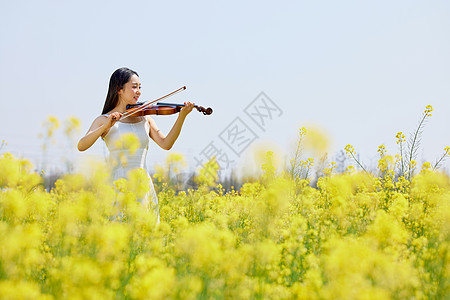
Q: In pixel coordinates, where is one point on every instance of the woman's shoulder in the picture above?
(99, 121)
(101, 118)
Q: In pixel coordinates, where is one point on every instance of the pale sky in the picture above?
(362, 70)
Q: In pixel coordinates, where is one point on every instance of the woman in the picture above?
(124, 89)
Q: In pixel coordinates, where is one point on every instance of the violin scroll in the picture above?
(205, 111)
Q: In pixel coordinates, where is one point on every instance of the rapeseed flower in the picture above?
(353, 235)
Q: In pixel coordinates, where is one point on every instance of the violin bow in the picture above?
(146, 104)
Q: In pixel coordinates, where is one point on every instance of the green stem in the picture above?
(359, 163)
(439, 161)
(413, 145)
(401, 158)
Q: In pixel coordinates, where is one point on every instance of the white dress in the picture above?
(124, 159)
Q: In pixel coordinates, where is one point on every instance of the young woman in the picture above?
(124, 89)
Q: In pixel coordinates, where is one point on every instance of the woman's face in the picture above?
(131, 91)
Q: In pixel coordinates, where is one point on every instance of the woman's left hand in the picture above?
(188, 106)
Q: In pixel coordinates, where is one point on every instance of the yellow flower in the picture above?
(51, 124)
(428, 110)
(426, 166)
(400, 137)
(381, 150)
(350, 169)
(447, 150)
(302, 131)
(350, 150)
(328, 171)
(350, 236)
(72, 126)
(128, 141)
(317, 140)
(309, 162)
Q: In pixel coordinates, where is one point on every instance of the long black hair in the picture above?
(118, 79)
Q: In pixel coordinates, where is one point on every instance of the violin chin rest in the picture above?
(134, 105)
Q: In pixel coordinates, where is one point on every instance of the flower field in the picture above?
(354, 236)
(380, 234)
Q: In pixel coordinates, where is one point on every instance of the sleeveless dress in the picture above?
(124, 159)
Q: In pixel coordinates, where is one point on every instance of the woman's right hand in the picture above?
(112, 119)
(99, 128)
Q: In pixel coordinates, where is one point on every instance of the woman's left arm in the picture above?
(166, 142)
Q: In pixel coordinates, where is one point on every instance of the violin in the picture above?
(161, 109)
(144, 108)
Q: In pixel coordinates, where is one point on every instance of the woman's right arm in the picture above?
(99, 127)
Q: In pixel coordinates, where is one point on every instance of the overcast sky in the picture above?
(362, 70)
